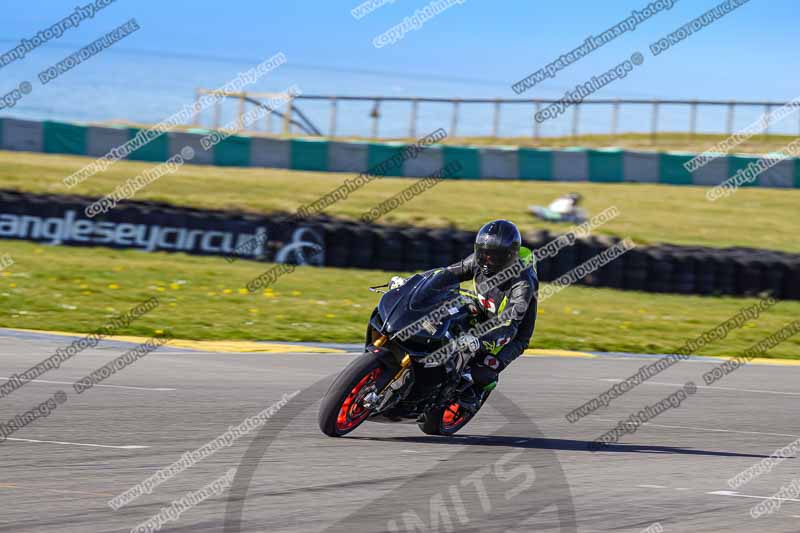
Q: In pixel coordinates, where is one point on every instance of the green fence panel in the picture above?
(380, 153)
(535, 164)
(156, 150)
(62, 138)
(308, 155)
(468, 158)
(606, 166)
(233, 152)
(739, 162)
(671, 170)
(797, 172)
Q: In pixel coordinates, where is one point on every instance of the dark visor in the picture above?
(493, 258)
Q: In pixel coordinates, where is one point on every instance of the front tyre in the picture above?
(341, 411)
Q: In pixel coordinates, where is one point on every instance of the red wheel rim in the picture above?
(352, 413)
(453, 416)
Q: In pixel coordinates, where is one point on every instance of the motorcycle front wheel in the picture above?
(341, 410)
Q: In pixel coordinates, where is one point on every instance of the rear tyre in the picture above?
(448, 420)
(341, 411)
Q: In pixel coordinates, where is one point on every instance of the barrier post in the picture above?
(454, 121)
(412, 128)
(654, 123)
(332, 132)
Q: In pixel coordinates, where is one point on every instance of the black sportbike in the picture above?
(397, 379)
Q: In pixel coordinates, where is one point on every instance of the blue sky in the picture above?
(478, 48)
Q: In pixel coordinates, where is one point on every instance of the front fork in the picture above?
(378, 401)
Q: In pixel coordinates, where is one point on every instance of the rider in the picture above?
(511, 295)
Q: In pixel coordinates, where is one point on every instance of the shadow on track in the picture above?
(553, 444)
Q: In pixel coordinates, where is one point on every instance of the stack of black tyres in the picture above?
(635, 271)
(363, 251)
(790, 288)
(417, 254)
(682, 281)
(338, 239)
(441, 247)
(389, 249)
(724, 274)
(563, 262)
(463, 245)
(612, 274)
(703, 272)
(659, 268)
(748, 275)
(585, 250)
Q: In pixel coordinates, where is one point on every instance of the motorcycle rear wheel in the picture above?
(448, 420)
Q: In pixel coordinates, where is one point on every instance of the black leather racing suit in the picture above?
(515, 300)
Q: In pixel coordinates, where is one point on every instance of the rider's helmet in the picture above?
(497, 246)
(575, 197)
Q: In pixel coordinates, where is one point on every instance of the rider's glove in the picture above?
(469, 343)
(396, 282)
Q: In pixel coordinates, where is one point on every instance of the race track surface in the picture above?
(519, 466)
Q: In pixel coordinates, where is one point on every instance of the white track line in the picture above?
(652, 486)
(98, 385)
(126, 447)
(737, 495)
(661, 383)
(715, 430)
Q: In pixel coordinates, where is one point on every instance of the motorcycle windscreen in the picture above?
(401, 307)
(434, 290)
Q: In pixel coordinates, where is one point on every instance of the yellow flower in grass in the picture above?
(113, 286)
(253, 310)
(174, 286)
(118, 269)
(160, 289)
(211, 294)
(296, 293)
(242, 290)
(12, 285)
(87, 293)
(269, 294)
(330, 315)
(159, 332)
(84, 286)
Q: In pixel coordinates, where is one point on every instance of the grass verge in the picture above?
(754, 217)
(77, 290)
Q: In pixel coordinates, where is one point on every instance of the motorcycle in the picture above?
(415, 363)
